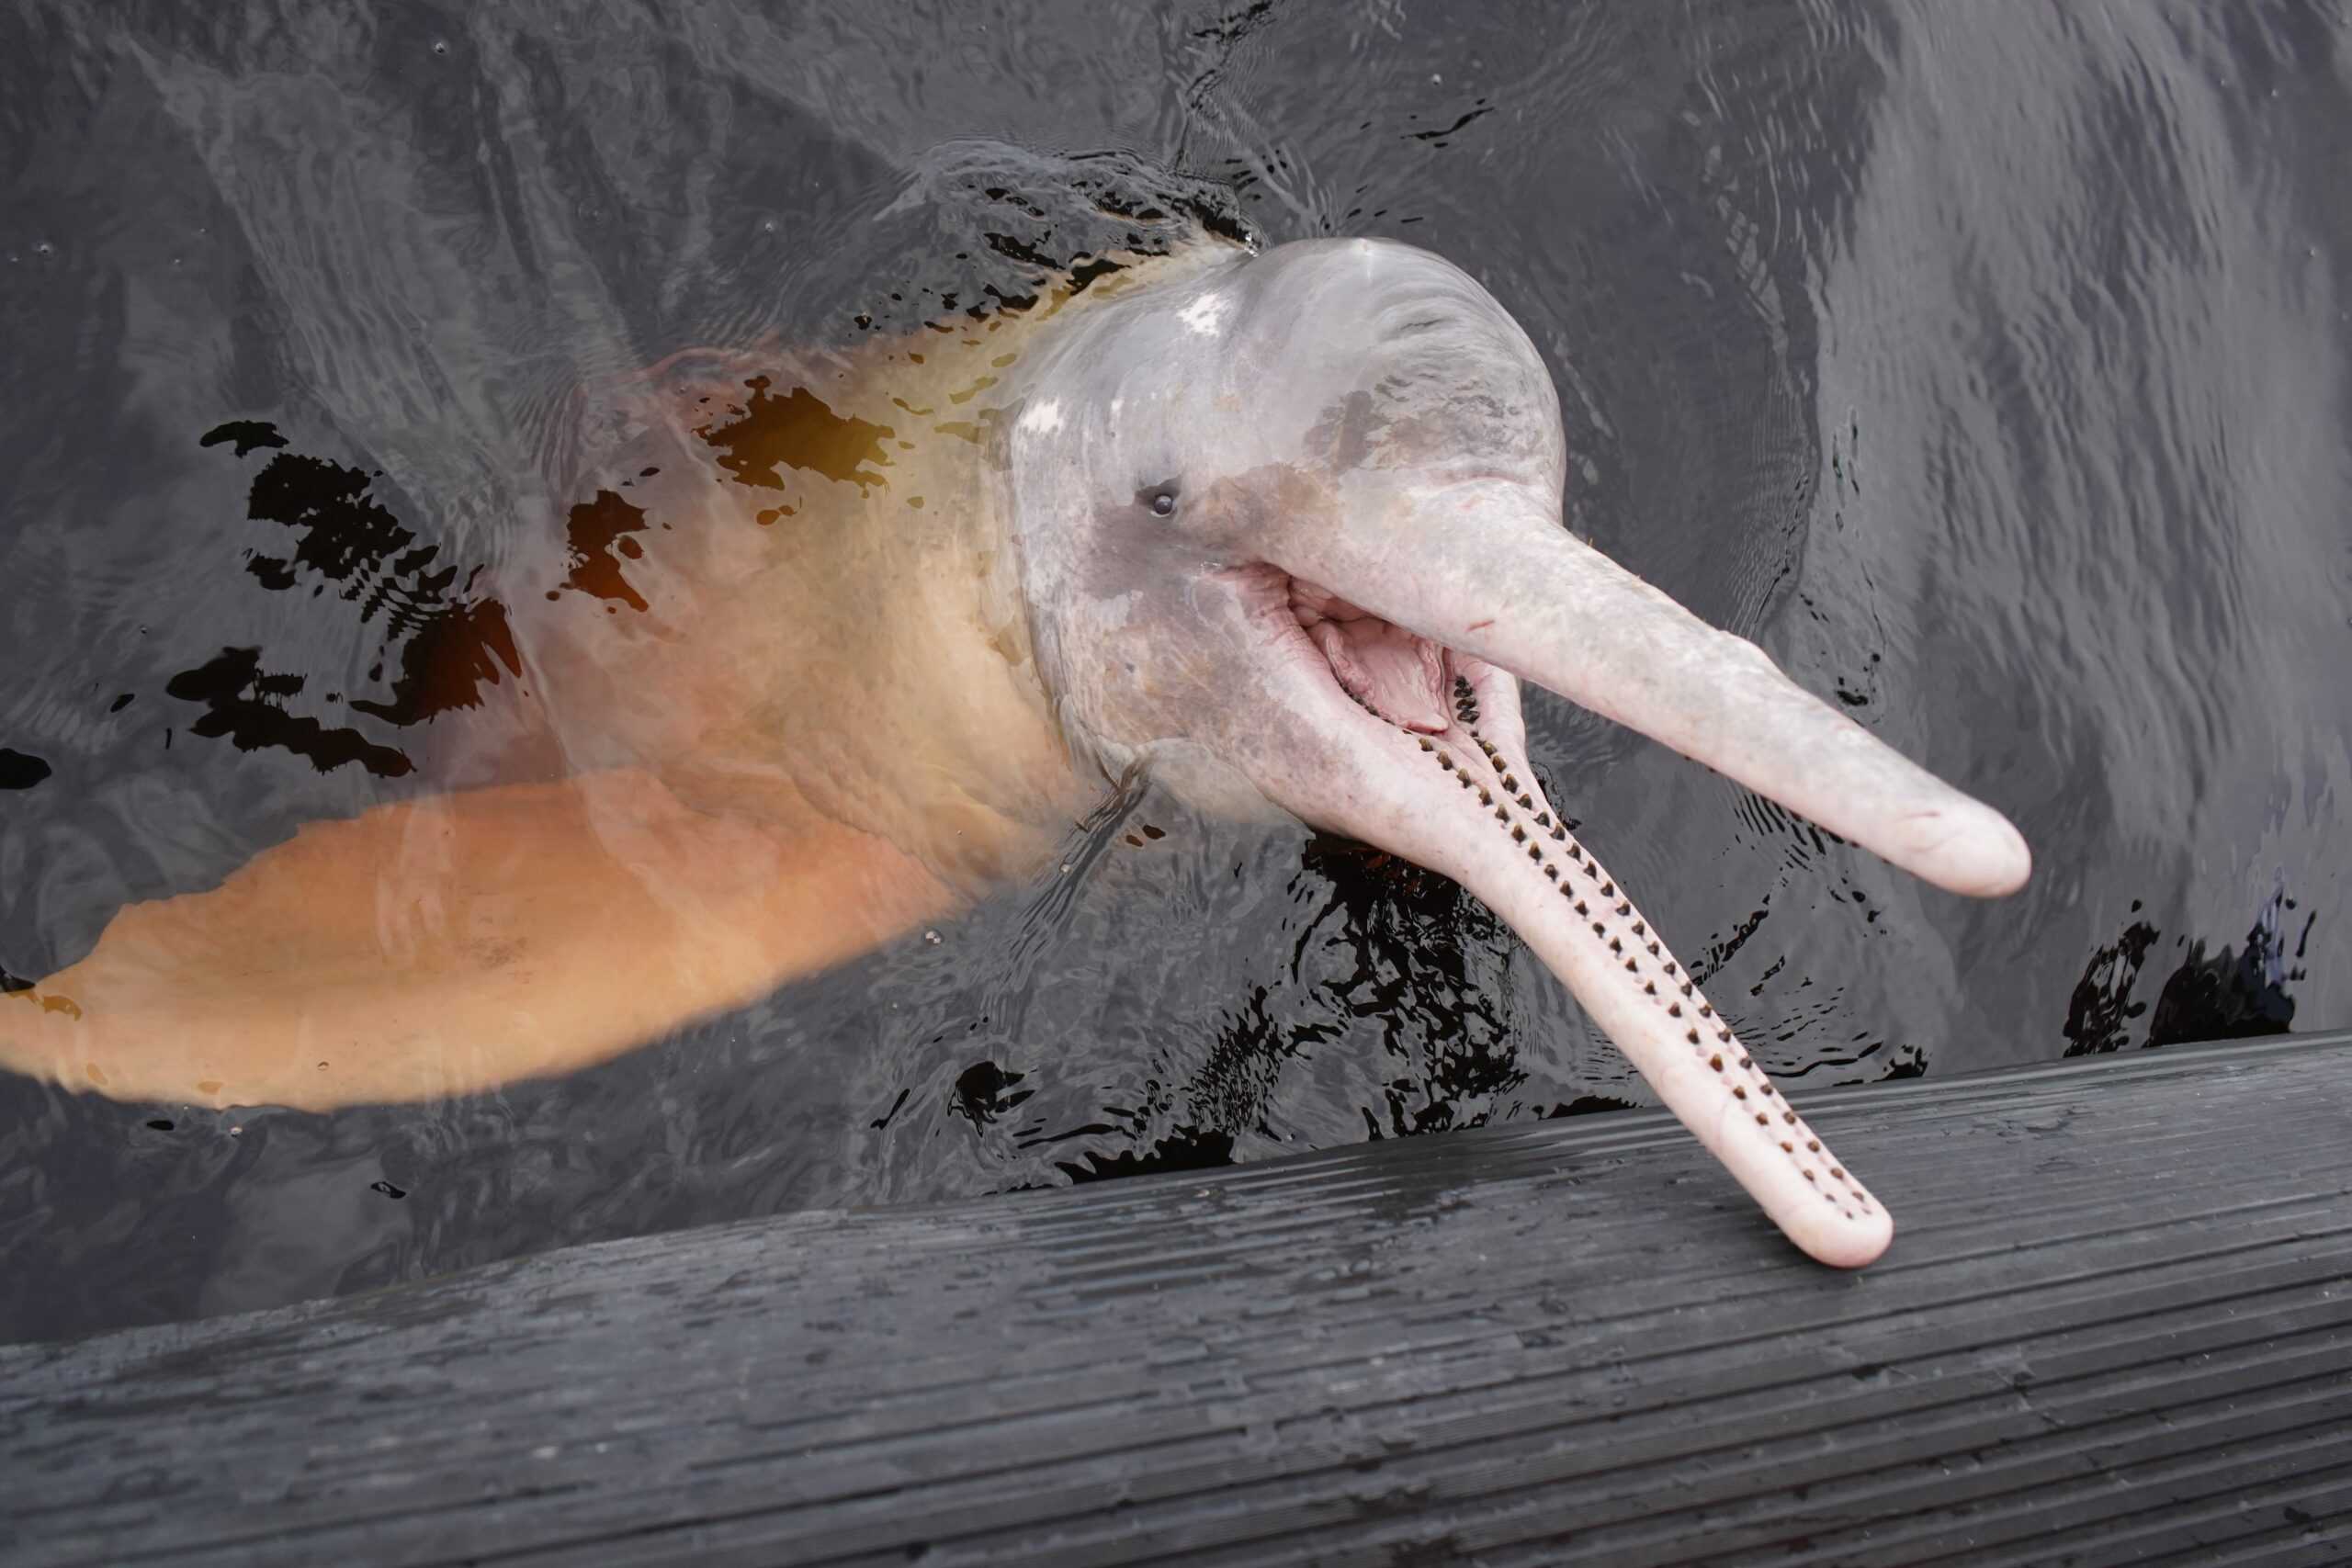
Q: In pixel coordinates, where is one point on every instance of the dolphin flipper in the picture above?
(454, 943)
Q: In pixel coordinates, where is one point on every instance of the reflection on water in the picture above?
(2235, 993)
(1987, 365)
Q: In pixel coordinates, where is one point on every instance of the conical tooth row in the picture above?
(1797, 1142)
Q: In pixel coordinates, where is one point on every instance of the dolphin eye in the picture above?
(1160, 499)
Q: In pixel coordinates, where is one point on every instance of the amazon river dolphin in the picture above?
(1282, 528)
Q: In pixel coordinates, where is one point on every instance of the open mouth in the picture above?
(1394, 674)
(1476, 813)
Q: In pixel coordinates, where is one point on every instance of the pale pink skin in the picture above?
(1362, 557)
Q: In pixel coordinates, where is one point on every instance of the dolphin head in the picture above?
(1290, 534)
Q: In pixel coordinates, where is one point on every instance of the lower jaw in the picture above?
(1570, 911)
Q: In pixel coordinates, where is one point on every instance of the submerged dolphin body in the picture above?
(1284, 528)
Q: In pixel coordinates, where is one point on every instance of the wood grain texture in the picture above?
(2115, 1327)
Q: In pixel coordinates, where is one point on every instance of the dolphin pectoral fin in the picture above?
(452, 944)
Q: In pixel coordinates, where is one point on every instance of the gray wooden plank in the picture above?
(2116, 1326)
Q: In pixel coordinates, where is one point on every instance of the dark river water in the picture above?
(1985, 363)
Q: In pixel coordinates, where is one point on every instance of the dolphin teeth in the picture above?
(1528, 802)
(1542, 820)
(1553, 871)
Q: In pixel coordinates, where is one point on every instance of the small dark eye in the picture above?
(1160, 499)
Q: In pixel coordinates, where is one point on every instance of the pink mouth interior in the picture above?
(1390, 670)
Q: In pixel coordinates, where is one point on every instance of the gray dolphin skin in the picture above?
(1291, 527)
(1283, 529)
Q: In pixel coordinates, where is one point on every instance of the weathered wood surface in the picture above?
(2115, 1327)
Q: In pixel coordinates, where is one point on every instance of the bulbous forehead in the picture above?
(1344, 355)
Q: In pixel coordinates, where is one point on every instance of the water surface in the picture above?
(1986, 364)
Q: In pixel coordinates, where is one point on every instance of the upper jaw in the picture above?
(1485, 570)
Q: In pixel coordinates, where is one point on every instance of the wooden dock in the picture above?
(2115, 1327)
